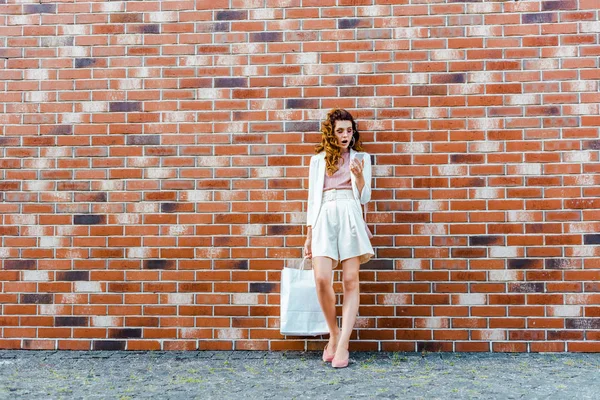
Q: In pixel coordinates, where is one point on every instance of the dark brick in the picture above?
(549, 110)
(88, 219)
(301, 126)
(564, 335)
(158, 264)
(302, 103)
(486, 240)
(559, 5)
(582, 323)
(91, 197)
(345, 81)
(348, 23)
(537, 18)
(36, 298)
(231, 15)
(238, 264)
(379, 264)
(220, 27)
(591, 239)
(429, 90)
(230, 82)
(125, 333)
(71, 276)
(266, 37)
(592, 145)
(521, 263)
(468, 252)
(143, 140)
(84, 62)
(282, 230)
(45, 8)
(430, 346)
(526, 287)
(151, 28)
(168, 207)
(262, 287)
(62, 130)
(100, 197)
(557, 263)
(449, 78)
(125, 106)
(20, 264)
(70, 321)
(108, 345)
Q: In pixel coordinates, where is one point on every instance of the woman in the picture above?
(339, 182)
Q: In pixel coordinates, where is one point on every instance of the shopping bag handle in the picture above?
(304, 262)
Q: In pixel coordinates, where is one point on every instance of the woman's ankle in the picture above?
(342, 346)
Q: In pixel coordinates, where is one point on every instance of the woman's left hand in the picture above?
(356, 167)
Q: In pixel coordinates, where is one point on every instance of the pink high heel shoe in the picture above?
(339, 363)
(335, 363)
(326, 356)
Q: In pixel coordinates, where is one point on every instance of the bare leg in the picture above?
(322, 267)
(351, 268)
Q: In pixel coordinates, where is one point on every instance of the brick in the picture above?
(266, 37)
(84, 62)
(256, 287)
(35, 298)
(89, 219)
(231, 15)
(124, 106)
(70, 321)
(46, 8)
(20, 264)
(143, 140)
(108, 345)
(159, 264)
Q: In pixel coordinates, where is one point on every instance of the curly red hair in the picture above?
(329, 143)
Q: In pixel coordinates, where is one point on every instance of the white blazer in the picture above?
(316, 180)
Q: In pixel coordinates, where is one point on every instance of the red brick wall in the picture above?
(154, 160)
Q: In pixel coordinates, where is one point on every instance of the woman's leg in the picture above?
(322, 267)
(351, 268)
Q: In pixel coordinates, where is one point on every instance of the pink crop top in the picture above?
(341, 178)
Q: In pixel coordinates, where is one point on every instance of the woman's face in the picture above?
(343, 132)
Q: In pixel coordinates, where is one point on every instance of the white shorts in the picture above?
(340, 231)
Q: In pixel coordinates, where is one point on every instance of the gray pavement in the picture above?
(293, 375)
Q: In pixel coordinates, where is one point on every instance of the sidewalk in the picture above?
(262, 375)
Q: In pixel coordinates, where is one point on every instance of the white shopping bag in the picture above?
(301, 314)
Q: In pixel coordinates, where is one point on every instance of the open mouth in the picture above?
(344, 142)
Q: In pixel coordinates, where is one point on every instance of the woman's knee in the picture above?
(322, 281)
(351, 281)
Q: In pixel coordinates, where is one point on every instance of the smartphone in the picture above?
(359, 157)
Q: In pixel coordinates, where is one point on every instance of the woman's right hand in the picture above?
(307, 248)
